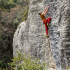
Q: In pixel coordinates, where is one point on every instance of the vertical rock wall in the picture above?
(65, 33)
(59, 32)
(30, 36)
(53, 30)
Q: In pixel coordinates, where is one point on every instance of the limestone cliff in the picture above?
(30, 36)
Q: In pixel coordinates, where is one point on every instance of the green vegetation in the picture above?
(23, 62)
(15, 23)
(12, 13)
(7, 4)
(67, 68)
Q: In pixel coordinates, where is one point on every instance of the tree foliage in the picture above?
(12, 13)
(7, 4)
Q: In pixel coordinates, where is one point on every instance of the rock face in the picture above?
(30, 36)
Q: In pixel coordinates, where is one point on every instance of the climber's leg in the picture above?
(46, 30)
(46, 27)
(48, 20)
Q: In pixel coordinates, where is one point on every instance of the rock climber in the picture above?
(45, 21)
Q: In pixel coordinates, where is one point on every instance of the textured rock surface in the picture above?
(64, 24)
(30, 35)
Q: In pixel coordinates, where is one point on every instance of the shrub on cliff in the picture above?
(23, 62)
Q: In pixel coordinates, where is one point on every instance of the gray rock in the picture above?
(30, 36)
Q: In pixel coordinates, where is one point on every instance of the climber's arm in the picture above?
(45, 11)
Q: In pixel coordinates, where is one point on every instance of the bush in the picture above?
(23, 62)
(10, 5)
(15, 23)
(7, 4)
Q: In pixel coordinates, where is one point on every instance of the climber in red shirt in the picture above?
(45, 21)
